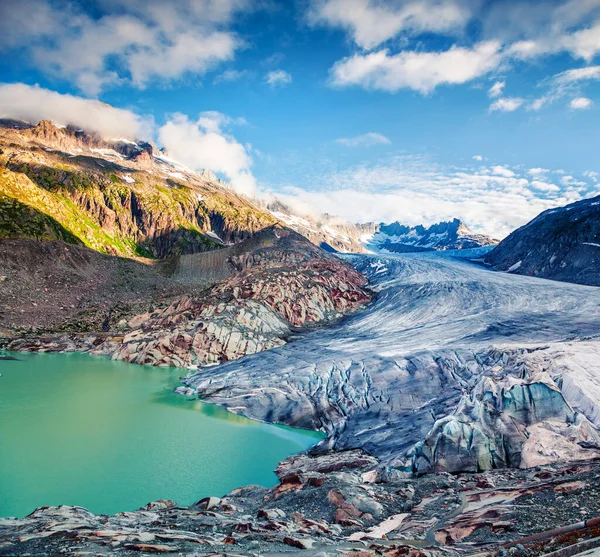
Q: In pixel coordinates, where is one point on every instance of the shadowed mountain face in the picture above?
(115, 196)
(560, 244)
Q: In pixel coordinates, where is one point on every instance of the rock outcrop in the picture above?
(278, 282)
(560, 244)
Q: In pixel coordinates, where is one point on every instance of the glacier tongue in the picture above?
(452, 368)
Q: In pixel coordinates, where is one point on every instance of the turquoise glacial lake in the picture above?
(111, 436)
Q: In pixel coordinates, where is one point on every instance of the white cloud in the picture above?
(567, 83)
(33, 104)
(365, 140)
(544, 186)
(229, 76)
(421, 71)
(277, 78)
(502, 171)
(371, 23)
(539, 103)
(580, 103)
(519, 31)
(536, 172)
(578, 74)
(477, 157)
(415, 190)
(496, 89)
(591, 175)
(203, 144)
(571, 181)
(132, 42)
(508, 104)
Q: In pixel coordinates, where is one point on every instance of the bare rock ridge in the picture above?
(333, 233)
(561, 244)
(115, 196)
(271, 285)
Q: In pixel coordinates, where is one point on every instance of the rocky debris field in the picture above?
(52, 286)
(336, 504)
(278, 283)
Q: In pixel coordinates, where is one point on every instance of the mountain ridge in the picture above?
(334, 233)
(561, 244)
(116, 196)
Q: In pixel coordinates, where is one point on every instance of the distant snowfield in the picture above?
(380, 379)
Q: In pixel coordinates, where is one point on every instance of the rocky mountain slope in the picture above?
(560, 244)
(333, 233)
(264, 289)
(329, 232)
(114, 196)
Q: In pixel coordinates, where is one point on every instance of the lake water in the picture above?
(111, 436)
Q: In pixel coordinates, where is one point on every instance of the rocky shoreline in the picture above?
(335, 504)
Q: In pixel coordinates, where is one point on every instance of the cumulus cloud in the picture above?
(421, 71)
(508, 104)
(519, 31)
(277, 78)
(416, 190)
(32, 104)
(538, 171)
(124, 42)
(477, 158)
(364, 140)
(496, 89)
(371, 23)
(580, 103)
(202, 144)
(503, 171)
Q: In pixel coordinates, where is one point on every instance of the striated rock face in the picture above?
(560, 244)
(274, 283)
(115, 196)
(283, 282)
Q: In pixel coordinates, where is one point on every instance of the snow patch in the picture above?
(213, 235)
(514, 267)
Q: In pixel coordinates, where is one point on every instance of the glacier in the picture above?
(453, 367)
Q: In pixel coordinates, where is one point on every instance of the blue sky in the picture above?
(415, 110)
